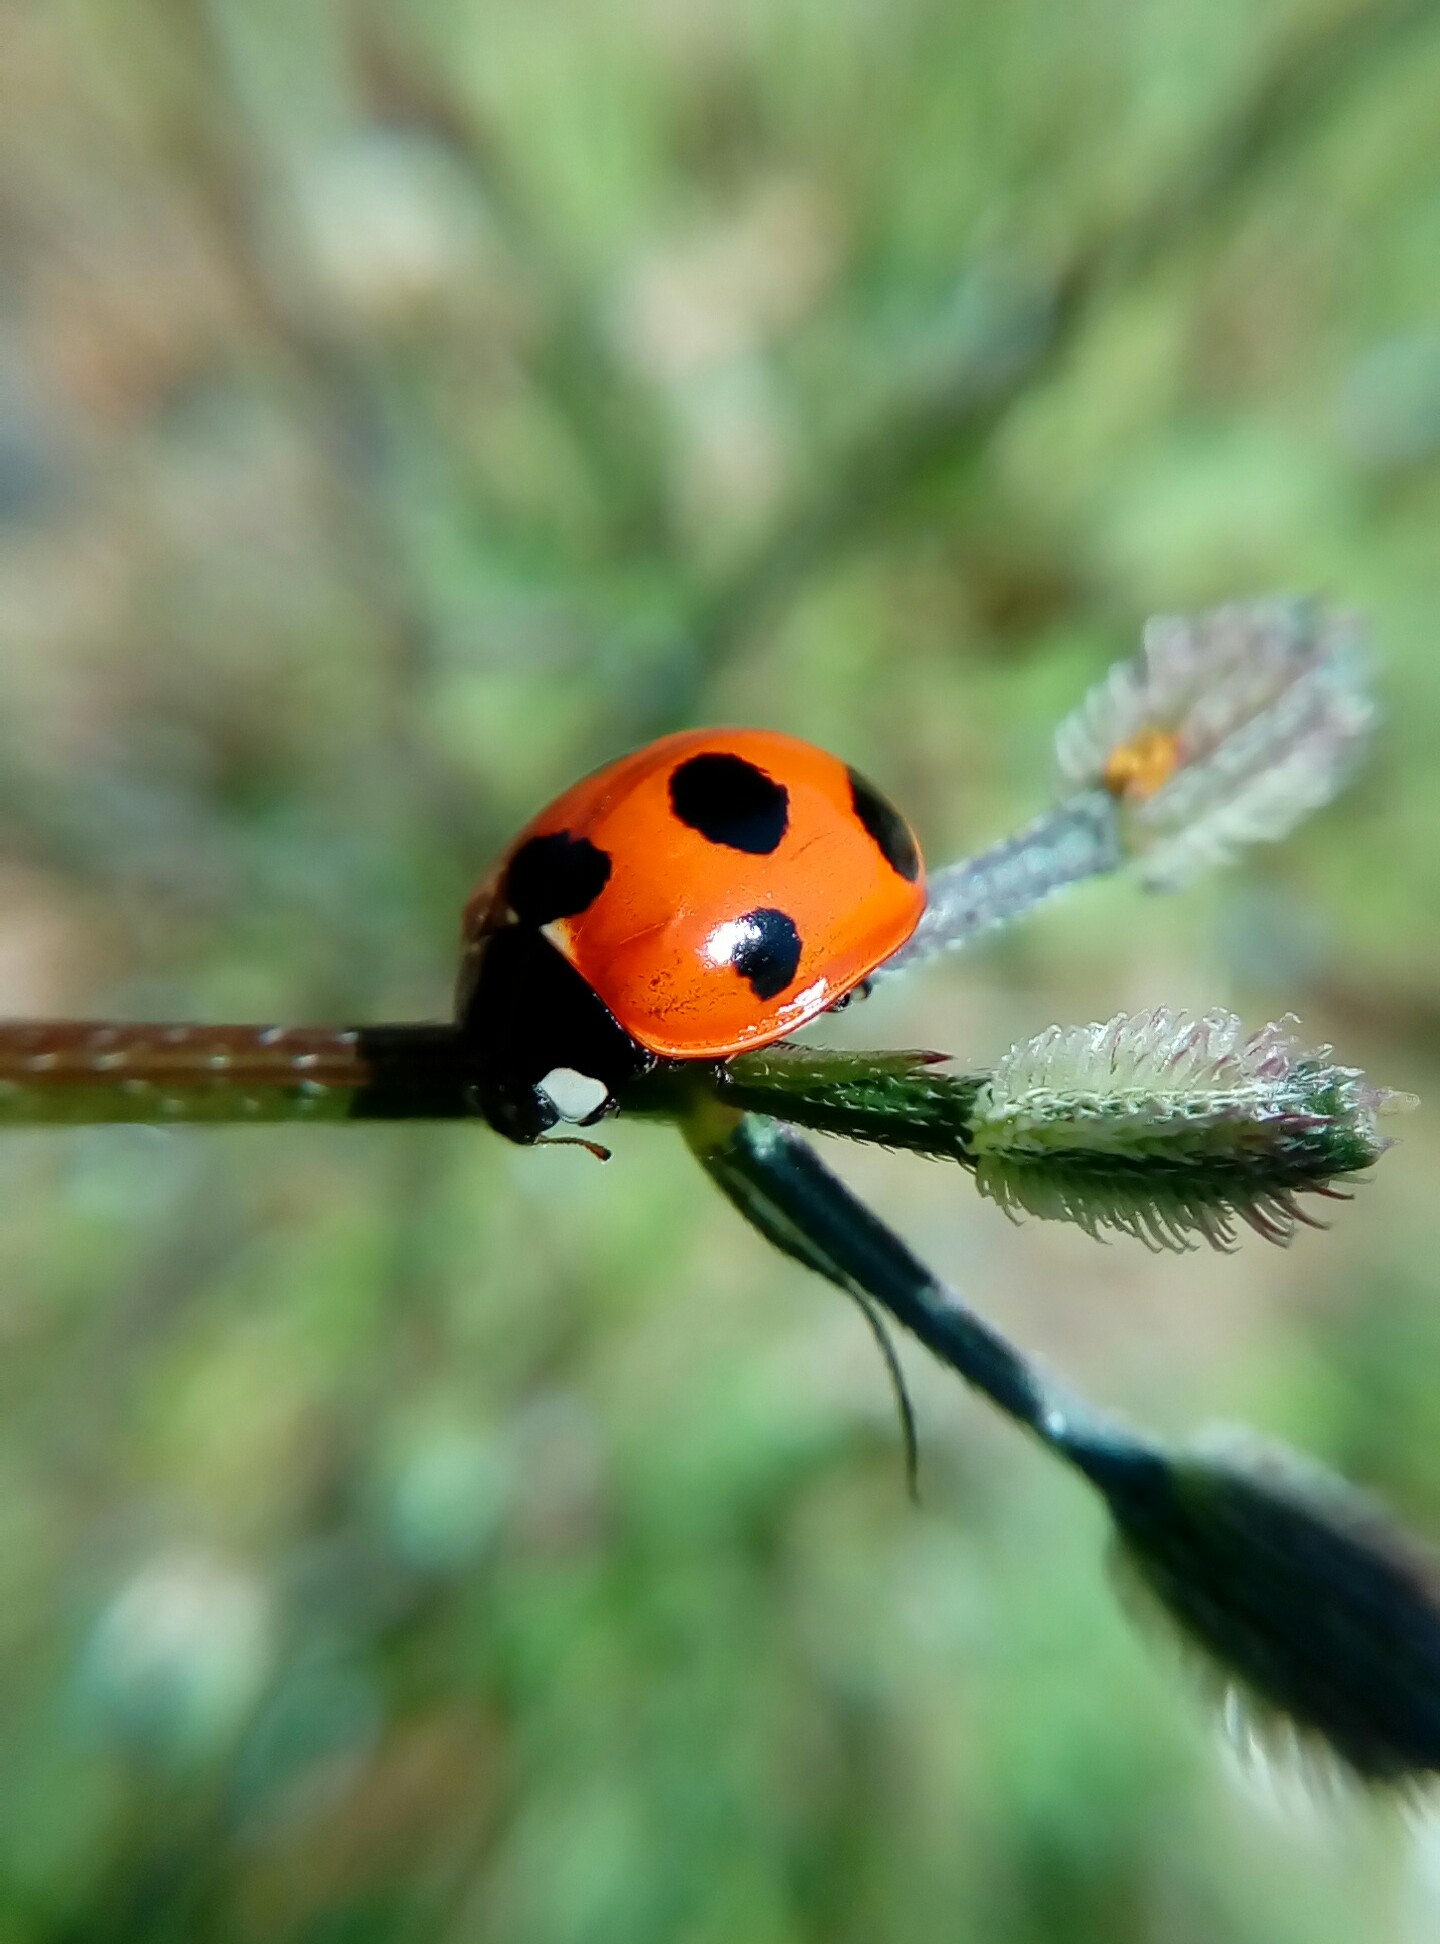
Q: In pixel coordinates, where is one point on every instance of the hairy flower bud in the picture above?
(1225, 730)
(1170, 1128)
(1315, 1619)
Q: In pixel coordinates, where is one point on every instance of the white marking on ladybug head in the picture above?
(574, 1096)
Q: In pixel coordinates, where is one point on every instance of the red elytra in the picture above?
(715, 889)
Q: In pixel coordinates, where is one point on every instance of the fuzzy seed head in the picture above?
(1315, 1622)
(1227, 729)
(1173, 1128)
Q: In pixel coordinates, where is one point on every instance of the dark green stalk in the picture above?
(783, 1188)
(1299, 1596)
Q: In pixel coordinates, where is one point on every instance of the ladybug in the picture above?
(700, 897)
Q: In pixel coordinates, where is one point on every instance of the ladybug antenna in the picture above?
(574, 1140)
(906, 1410)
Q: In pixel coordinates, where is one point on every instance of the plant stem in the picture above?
(1076, 840)
(84, 1071)
(783, 1189)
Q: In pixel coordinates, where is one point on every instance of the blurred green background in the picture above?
(404, 406)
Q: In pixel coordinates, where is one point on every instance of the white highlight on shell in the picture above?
(727, 939)
(574, 1096)
(805, 1003)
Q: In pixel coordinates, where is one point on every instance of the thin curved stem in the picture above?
(782, 1188)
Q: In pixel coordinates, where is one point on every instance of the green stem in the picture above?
(783, 1189)
(895, 1100)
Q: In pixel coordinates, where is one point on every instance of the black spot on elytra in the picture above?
(730, 802)
(766, 952)
(557, 876)
(886, 826)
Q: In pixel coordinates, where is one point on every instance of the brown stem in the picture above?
(76, 1071)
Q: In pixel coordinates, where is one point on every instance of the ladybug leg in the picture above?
(861, 991)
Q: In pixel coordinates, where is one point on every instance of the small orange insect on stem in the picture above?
(1137, 769)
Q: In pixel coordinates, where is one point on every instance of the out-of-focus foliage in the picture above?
(402, 407)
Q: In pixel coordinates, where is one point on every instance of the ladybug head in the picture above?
(540, 1046)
